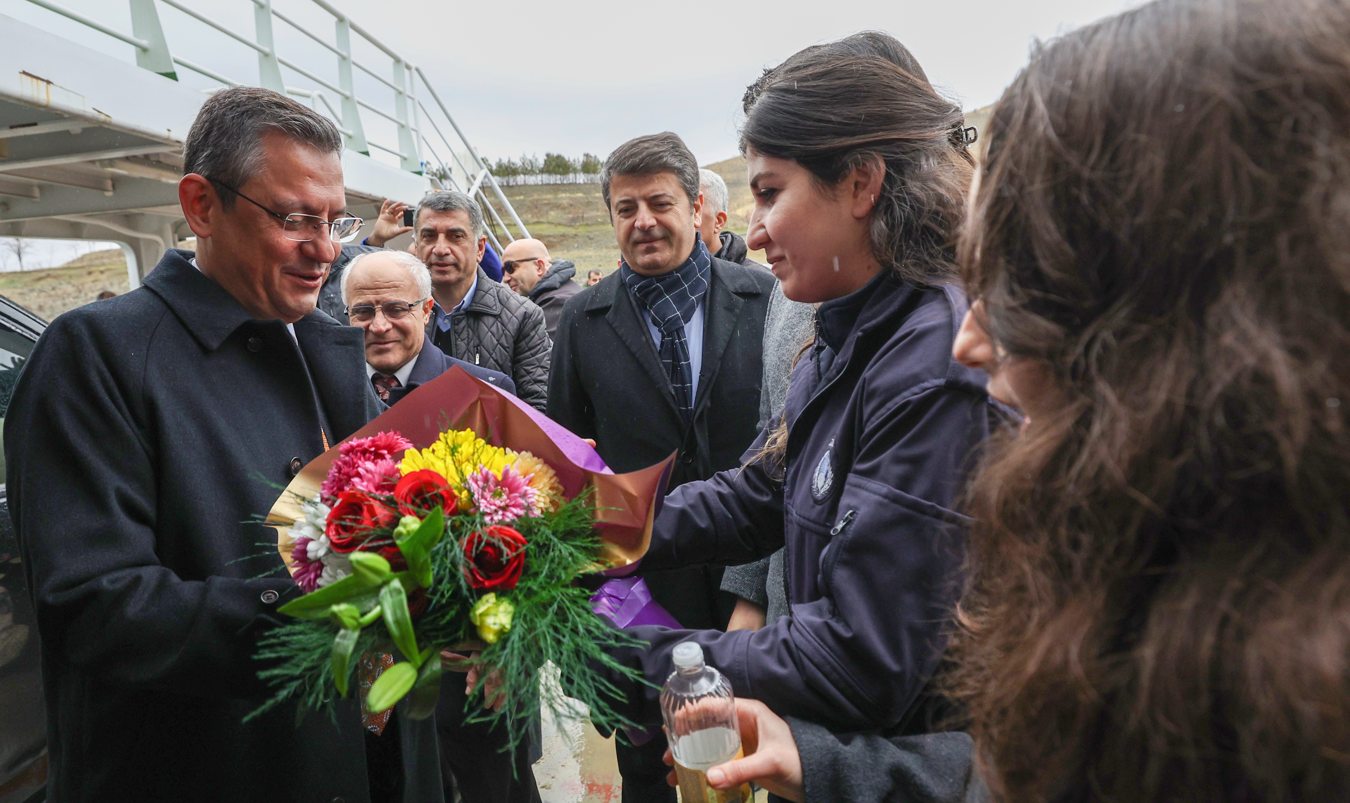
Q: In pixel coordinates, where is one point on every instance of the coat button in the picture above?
(254, 344)
(339, 800)
(269, 596)
(688, 459)
(295, 465)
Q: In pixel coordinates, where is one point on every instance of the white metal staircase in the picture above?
(91, 144)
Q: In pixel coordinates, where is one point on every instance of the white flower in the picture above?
(335, 567)
(312, 525)
(317, 548)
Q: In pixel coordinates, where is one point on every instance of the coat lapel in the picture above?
(628, 325)
(336, 358)
(722, 308)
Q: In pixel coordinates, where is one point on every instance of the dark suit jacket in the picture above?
(607, 383)
(432, 362)
(147, 435)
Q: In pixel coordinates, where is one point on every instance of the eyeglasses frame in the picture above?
(286, 218)
(515, 263)
(412, 305)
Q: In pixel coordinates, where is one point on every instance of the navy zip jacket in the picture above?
(883, 425)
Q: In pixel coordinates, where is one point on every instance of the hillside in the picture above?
(50, 292)
(570, 218)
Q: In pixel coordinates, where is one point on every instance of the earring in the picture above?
(874, 200)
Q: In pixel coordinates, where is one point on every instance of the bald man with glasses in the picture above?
(388, 296)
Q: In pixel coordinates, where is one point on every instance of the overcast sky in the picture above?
(533, 76)
(586, 76)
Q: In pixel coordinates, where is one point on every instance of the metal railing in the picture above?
(421, 146)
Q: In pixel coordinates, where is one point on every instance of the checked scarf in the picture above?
(670, 299)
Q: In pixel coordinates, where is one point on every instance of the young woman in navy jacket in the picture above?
(859, 170)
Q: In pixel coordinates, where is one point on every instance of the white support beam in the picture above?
(127, 167)
(71, 158)
(20, 189)
(73, 126)
(65, 177)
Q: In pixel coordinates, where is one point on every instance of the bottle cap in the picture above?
(687, 654)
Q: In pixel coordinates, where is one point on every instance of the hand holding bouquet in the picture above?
(406, 552)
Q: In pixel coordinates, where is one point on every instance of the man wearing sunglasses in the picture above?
(528, 269)
(389, 296)
(147, 440)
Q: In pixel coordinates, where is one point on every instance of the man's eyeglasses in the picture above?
(510, 265)
(393, 310)
(303, 228)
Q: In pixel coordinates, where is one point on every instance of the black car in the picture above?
(23, 716)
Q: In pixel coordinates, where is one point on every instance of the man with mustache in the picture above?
(663, 355)
(476, 319)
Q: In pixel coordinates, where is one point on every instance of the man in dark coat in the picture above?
(148, 435)
(476, 319)
(530, 271)
(724, 244)
(663, 355)
(388, 294)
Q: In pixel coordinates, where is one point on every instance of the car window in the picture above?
(23, 734)
(14, 351)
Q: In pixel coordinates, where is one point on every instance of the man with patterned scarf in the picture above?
(663, 355)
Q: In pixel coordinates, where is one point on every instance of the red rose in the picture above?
(354, 518)
(380, 515)
(494, 558)
(422, 491)
(347, 525)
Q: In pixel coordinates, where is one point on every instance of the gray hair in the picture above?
(714, 191)
(410, 263)
(649, 155)
(225, 141)
(452, 201)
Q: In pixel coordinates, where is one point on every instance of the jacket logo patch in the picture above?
(823, 479)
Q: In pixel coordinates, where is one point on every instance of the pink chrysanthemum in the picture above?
(376, 476)
(354, 454)
(306, 571)
(502, 499)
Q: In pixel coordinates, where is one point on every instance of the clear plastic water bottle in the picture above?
(700, 715)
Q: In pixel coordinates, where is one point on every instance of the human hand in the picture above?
(389, 223)
(747, 616)
(771, 757)
(459, 657)
(493, 699)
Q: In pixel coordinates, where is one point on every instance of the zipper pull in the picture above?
(843, 523)
(475, 358)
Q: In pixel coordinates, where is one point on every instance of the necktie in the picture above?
(383, 384)
(372, 666)
(671, 300)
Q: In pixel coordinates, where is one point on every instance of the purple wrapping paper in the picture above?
(627, 602)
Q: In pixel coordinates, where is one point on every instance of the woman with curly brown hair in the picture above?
(1159, 607)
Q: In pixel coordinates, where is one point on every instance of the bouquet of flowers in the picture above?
(420, 538)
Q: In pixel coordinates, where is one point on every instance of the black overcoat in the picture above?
(146, 436)
(607, 383)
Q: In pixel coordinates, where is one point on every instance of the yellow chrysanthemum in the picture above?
(543, 479)
(455, 455)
